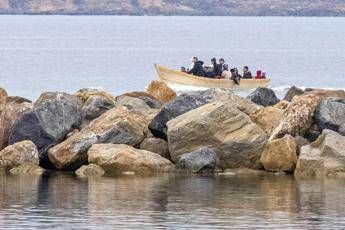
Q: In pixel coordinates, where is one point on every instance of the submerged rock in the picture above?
(324, 157)
(27, 169)
(203, 160)
(114, 159)
(156, 145)
(47, 123)
(189, 101)
(293, 91)
(280, 155)
(90, 170)
(220, 126)
(119, 126)
(267, 118)
(18, 154)
(161, 91)
(330, 114)
(263, 96)
(10, 114)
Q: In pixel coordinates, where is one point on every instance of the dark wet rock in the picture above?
(203, 160)
(330, 114)
(47, 123)
(189, 101)
(293, 91)
(263, 96)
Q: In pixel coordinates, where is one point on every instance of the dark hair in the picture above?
(214, 60)
(196, 58)
(221, 59)
(246, 67)
(232, 70)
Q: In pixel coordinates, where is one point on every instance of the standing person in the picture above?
(197, 68)
(217, 68)
(246, 73)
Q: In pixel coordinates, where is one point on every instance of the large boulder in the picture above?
(298, 117)
(114, 158)
(10, 114)
(324, 157)
(203, 160)
(132, 103)
(189, 101)
(325, 93)
(95, 106)
(267, 118)
(90, 170)
(18, 154)
(119, 126)
(280, 155)
(47, 123)
(263, 96)
(156, 145)
(293, 91)
(148, 98)
(330, 114)
(161, 91)
(222, 127)
(84, 94)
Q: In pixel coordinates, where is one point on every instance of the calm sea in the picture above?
(66, 53)
(62, 53)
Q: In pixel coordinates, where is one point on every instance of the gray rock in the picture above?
(263, 96)
(95, 106)
(342, 130)
(156, 145)
(203, 160)
(293, 91)
(131, 103)
(47, 123)
(189, 101)
(330, 114)
(324, 157)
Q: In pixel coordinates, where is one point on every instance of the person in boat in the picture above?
(183, 70)
(221, 62)
(235, 76)
(246, 73)
(197, 68)
(209, 72)
(258, 74)
(217, 68)
(226, 74)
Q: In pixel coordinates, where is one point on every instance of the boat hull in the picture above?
(174, 76)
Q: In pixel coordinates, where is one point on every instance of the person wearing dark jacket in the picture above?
(246, 73)
(217, 68)
(198, 68)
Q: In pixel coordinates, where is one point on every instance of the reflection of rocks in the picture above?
(27, 169)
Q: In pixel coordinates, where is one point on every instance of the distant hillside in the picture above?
(177, 7)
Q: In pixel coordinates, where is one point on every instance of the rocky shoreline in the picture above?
(95, 133)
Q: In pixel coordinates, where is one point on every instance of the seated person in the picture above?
(197, 69)
(246, 73)
(226, 73)
(235, 77)
(263, 75)
(217, 68)
(183, 70)
(258, 74)
(209, 72)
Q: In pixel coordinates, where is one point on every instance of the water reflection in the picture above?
(58, 200)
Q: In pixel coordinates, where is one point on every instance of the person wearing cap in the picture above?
(197, 68)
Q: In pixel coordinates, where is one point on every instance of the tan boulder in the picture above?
(115, 159)
(3, 98)
(84, 94)
(11, 112)
(156, 145)
(237, 141)
(27, 169)
(161, 91)
(90, 170)
(324, 157)
(325, 93)
(280, 155)
(267, 118)
(18, 154)
(298, 117)
(282, 105)
(119, 125)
